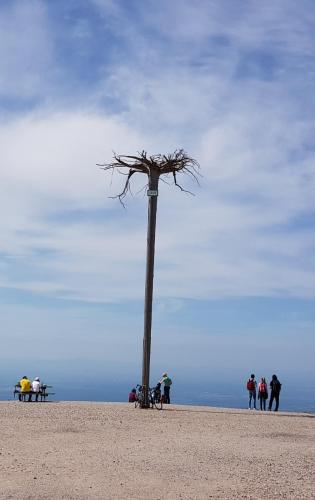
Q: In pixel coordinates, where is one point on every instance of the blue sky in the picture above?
(230, 82)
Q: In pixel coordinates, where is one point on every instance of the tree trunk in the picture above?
(152, 207)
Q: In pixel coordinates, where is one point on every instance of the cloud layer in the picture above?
(232, 86)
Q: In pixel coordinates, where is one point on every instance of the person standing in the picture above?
(36, 387)
(251, 387)
(25, 386)
(167, 387)
(275, 388)
(262, 393)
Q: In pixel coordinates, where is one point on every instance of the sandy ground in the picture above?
(114, 451)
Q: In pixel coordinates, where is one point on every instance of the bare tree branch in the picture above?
(179, 186)
(126, 188)
(177, 162)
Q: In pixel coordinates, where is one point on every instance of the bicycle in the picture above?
(154, 398)
(139, 397)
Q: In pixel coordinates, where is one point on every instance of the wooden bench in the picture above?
(27, 396)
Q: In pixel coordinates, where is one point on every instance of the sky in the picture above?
(230, 82)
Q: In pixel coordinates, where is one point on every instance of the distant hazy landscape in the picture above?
(295, 396)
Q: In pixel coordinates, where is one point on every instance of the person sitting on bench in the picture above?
(25, 386)
(36, 387)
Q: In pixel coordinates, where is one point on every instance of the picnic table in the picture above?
(42, 395)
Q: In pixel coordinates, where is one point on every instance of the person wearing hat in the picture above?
(167, 387)
(36, 387)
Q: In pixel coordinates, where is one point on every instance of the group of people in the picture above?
(166, 381)
(28, 388)
(275, 388)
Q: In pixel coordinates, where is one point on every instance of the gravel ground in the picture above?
(114, 451)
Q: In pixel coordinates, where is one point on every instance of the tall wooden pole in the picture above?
(152, 207)
(153, 166)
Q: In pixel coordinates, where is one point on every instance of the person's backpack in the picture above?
(250, 385)
(275, 386)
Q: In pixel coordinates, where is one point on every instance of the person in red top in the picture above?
(262, 393)
(132, 396)
(251, 387)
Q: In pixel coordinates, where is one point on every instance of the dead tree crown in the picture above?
(157, 165)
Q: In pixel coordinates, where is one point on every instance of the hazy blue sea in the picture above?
(299, 397)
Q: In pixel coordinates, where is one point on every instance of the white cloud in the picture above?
(253, 137)
(224, 241)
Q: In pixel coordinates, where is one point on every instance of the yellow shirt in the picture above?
(25, 385)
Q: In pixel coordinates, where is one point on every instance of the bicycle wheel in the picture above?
(158, 404)
(151, 402)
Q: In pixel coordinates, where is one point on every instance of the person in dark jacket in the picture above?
(275, 388)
